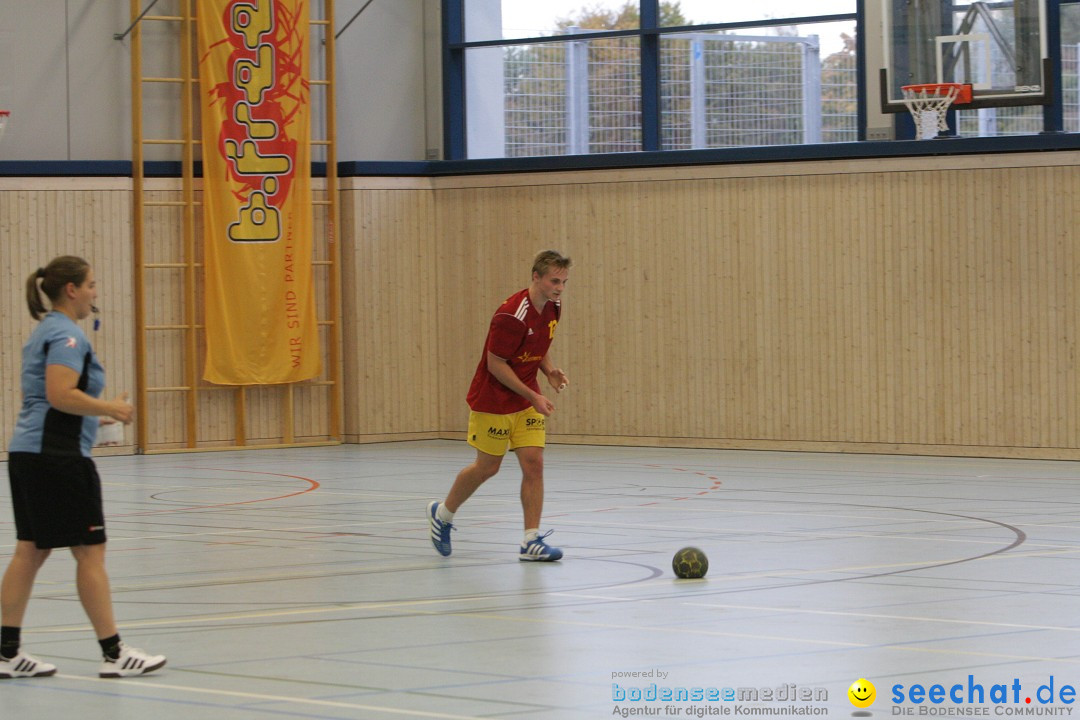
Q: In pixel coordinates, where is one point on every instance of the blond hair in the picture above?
(548, 259)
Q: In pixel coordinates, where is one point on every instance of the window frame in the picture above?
(648, 33)
(455, 150)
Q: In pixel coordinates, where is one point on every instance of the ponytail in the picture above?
(33, 294)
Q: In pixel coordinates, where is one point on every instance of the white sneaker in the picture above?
(25, 665)
(132, 661)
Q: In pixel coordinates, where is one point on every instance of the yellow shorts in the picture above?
(492, 434)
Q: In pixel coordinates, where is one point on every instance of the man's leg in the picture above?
(532, 505)
(471, 478)
(531, 460)
(441, 514)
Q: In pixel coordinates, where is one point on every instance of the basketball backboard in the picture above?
(1000, 48)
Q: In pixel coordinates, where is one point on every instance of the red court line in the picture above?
(312, 485)
(717, 484)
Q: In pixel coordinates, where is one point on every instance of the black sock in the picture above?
(111, 646)
(9, 641)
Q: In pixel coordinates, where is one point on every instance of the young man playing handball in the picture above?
(508, 410)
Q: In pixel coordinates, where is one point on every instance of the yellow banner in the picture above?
(254, 85)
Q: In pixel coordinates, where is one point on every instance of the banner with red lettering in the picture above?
(261, 325)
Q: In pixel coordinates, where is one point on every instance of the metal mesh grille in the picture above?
(614, 71)
(716, 91)
(839, 98)
(725, 91)
(536, 108)
(573, 97)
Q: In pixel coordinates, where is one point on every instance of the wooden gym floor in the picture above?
(301, 584)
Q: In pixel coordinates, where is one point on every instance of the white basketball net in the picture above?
(928, 109)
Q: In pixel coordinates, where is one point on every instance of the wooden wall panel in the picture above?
(927, 305)
(879, 306)
(43, 218)
(270, 415)
(391, 301)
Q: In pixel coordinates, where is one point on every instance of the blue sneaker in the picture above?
(539, 551)
(440, 531)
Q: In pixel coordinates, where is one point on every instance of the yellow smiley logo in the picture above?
(862, 693)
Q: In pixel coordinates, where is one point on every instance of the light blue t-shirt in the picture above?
(41, 428)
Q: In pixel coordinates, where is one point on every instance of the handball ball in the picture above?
(690, 562)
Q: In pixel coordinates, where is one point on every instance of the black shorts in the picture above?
(57, 500)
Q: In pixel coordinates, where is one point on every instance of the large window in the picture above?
(566, 77)
(528, 78)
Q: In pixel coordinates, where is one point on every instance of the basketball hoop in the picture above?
(930, 103)
(4, 115)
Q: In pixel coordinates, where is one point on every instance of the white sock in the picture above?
(531, 535)
(443, 514)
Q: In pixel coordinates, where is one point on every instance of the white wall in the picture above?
(382, 88)
(66, 80)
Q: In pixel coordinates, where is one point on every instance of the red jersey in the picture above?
(520, 335)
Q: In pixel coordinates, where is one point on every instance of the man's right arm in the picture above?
(505, 374)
